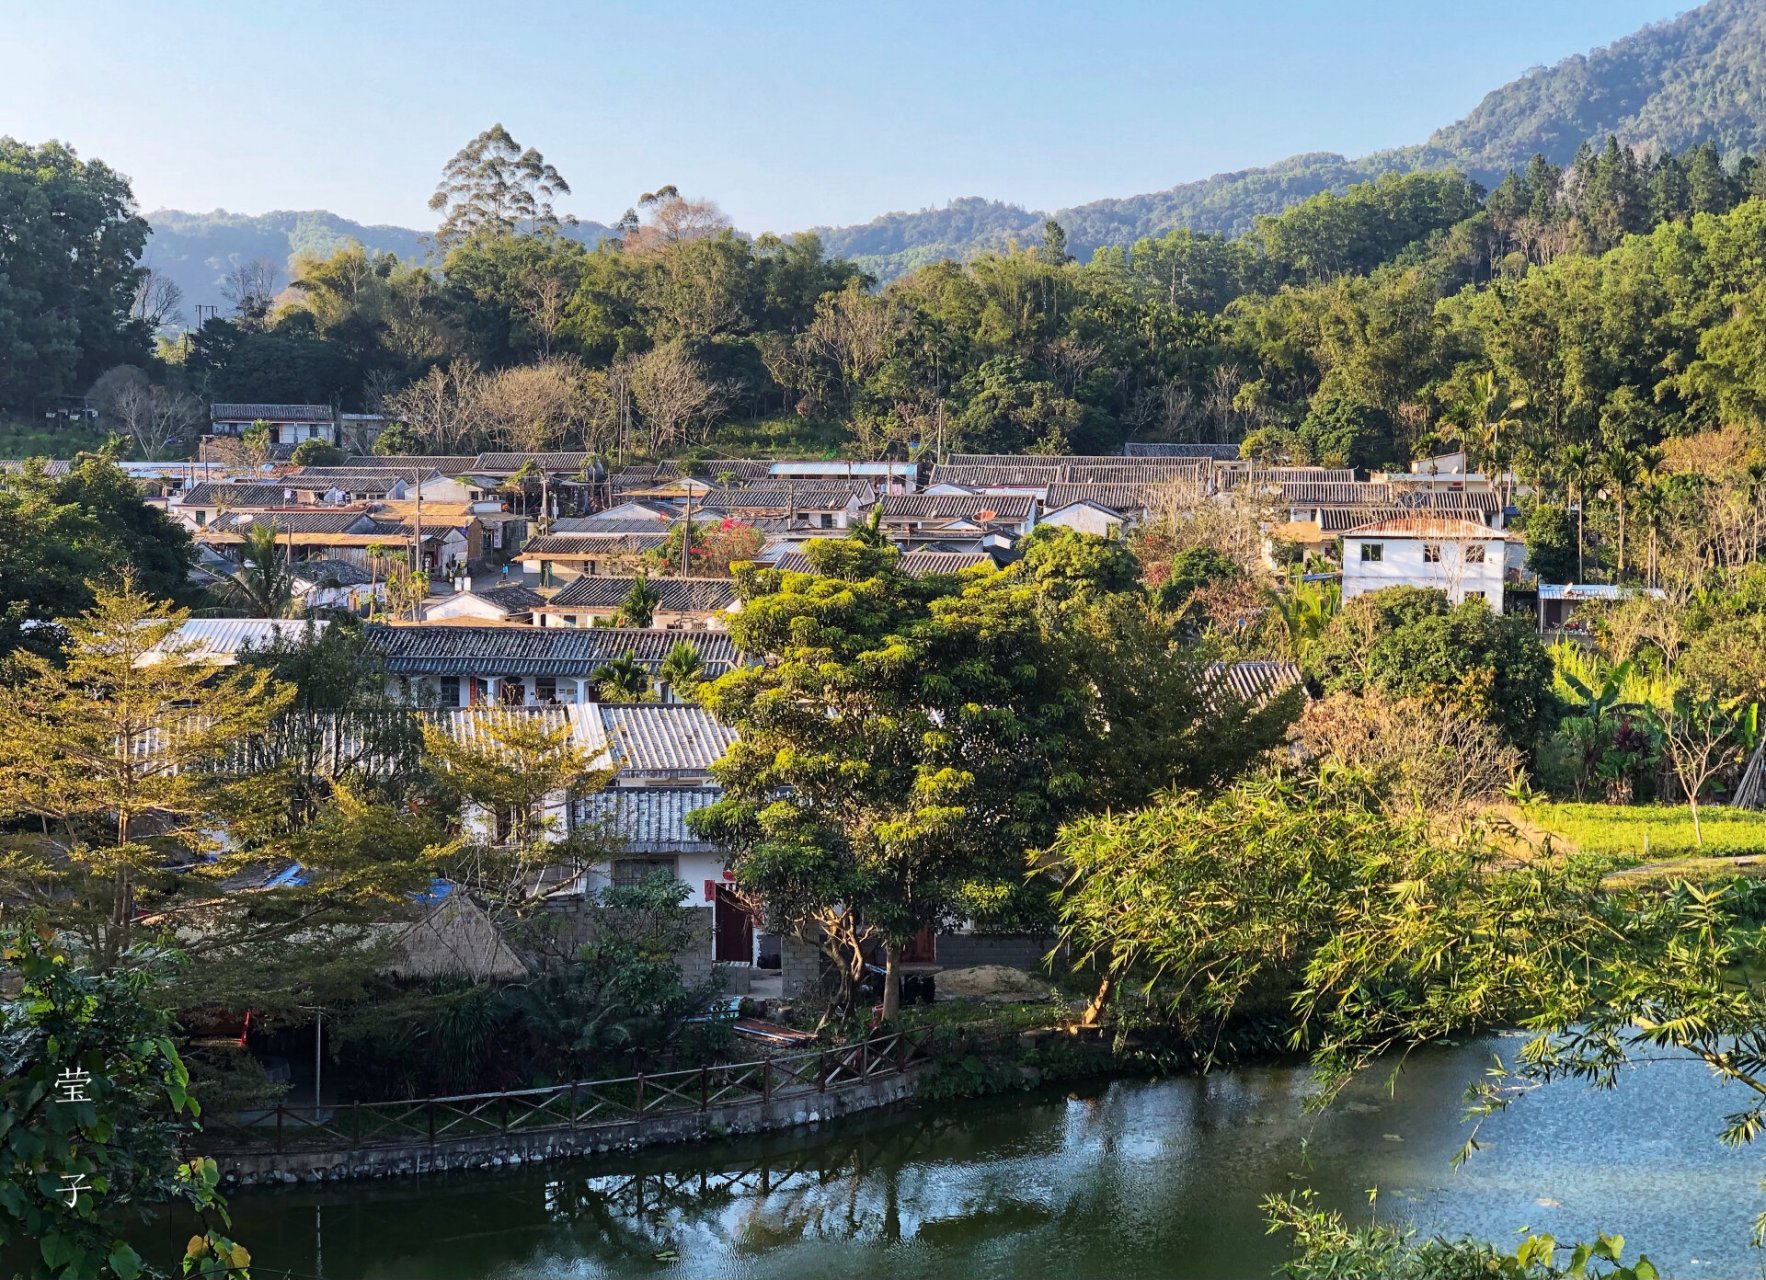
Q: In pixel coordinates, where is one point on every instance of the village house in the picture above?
(469, 666)
(1461, 558)
(690, 604)
(513, 604)
(289, 424)
(336, 585)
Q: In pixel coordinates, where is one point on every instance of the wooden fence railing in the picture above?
(581, 1103)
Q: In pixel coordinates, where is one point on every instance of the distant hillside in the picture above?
(197, 249)
(1671, 85)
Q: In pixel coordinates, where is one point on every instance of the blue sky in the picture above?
(789, 115)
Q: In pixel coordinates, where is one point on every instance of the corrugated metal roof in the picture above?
(665, 738)
(535, 651)
(1595, 591)
(220, 640)
(674, 595)
(816, 495)
(648, 819)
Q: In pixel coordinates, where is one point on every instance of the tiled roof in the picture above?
(236, 412)
(811, 495)
(295, 521)
(665, 738)
(1282, 475)
(1341, 519)
(332, 573)
(233, 495)
(51, 467)
(735, 468)
(674, 595)
(1434, 525)
(449, 464)
(648, 819)
(1211, 452)
(364, 480)
(535, 651)
(605, 524)
(955, 506)
(919, 564)
(513, 598)
(1332, 493)
(562, 546)
(1252, 682)
(1118, 497)
(510, 463)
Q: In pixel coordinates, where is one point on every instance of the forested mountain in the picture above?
(1699, 77)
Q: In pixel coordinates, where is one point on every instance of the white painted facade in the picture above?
(1459, 558)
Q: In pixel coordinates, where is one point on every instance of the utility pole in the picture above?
(417, 547)
(687, 530)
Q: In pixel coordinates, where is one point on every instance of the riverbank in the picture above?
(1146, 1180)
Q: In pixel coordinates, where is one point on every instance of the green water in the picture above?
(1130, 1179)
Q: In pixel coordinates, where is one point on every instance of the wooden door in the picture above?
(734, 927)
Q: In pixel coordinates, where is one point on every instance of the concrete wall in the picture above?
(800, 969)
(750, 1116)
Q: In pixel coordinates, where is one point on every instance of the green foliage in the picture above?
(1551, 542)
(94, 1110)
(1409, 642)
(73, 241)
(1643, 833)
(1325, 1247)
(316, 453)
(639, 605)
(62, 536)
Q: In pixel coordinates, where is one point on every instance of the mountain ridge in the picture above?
(1698, 76)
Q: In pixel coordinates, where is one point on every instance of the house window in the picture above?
(1373, 552)
(545, 689)
(1475, 553)
(629, 871)
(448, 690)
(1431, 553)
(570, 620)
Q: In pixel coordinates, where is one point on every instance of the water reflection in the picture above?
(1136, 1179)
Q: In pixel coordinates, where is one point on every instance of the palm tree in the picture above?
(622, 680)
(1623, 469)
(639, 607)
(1305, 612)
(1490, 413)
(682, 670)
(264, 580)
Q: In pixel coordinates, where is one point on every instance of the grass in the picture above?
(29, 440)
(781, 435)
(1634, 835)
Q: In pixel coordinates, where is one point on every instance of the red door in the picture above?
(735, 929)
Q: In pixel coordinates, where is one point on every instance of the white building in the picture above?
(1461, 558)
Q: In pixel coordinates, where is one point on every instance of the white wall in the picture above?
(1402, 565)
(1086, 519)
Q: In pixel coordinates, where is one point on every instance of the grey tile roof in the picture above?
(595, 526)
(919, 564)
(510, 463)
(242, 412)
(815, 495)
(1211, 452)
(359, 480)
(326, 573)
(955, 506)
(513, 598)
(296, 521)
(565, 545)
(648, 819)
(535, 651)
(674, 595)
(735, 468)
(449, 464)
(1117, 497)
(233, 495)
(665, 738)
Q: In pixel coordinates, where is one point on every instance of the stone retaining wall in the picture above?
(493, 1150)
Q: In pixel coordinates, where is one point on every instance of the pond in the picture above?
(1153, 1179)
